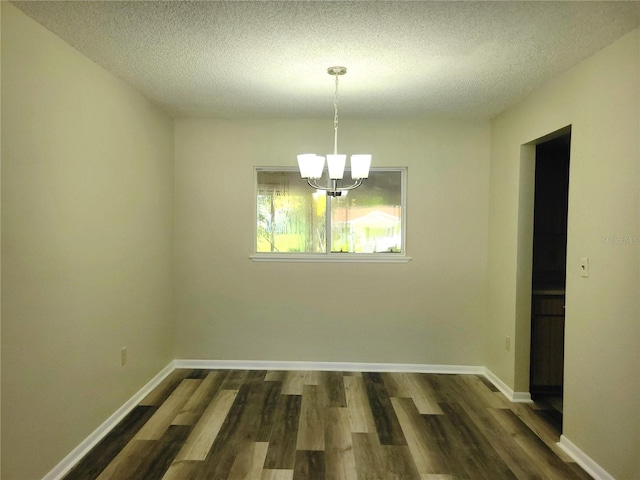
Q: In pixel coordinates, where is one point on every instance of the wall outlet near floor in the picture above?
(123, 356)
(507, 343)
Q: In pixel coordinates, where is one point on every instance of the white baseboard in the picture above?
(515, 397)
(584, 460)
(327, 366)
(60, 470)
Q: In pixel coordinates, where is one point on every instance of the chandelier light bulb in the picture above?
(360, 165)
(310, 165)
(335, 164)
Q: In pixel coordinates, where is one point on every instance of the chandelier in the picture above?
(312, 165)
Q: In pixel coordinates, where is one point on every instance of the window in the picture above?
(296, 222)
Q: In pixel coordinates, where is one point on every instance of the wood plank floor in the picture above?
(276, 425)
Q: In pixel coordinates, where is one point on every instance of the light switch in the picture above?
(584, 267)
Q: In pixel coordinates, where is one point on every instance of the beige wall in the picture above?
(600, 100)
(431, 310)
(86, 219)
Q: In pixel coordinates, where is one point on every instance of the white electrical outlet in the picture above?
(507, 343)
(123, 356)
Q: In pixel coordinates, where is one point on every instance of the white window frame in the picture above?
(329, 256)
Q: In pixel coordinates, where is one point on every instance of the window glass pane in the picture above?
(291, 215)
(369, 218)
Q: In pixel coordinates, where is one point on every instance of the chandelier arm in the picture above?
(350, 187)
(313, 184)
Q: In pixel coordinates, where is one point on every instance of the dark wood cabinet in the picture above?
(547, 343)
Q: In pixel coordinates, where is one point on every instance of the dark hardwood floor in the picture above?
(276, 425)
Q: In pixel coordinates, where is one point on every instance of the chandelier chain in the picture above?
(335, 118)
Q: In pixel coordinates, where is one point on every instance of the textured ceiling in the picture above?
(269, 59)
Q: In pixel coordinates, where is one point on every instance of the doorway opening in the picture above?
(549, 272)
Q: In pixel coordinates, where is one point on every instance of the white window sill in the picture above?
(331, 258)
